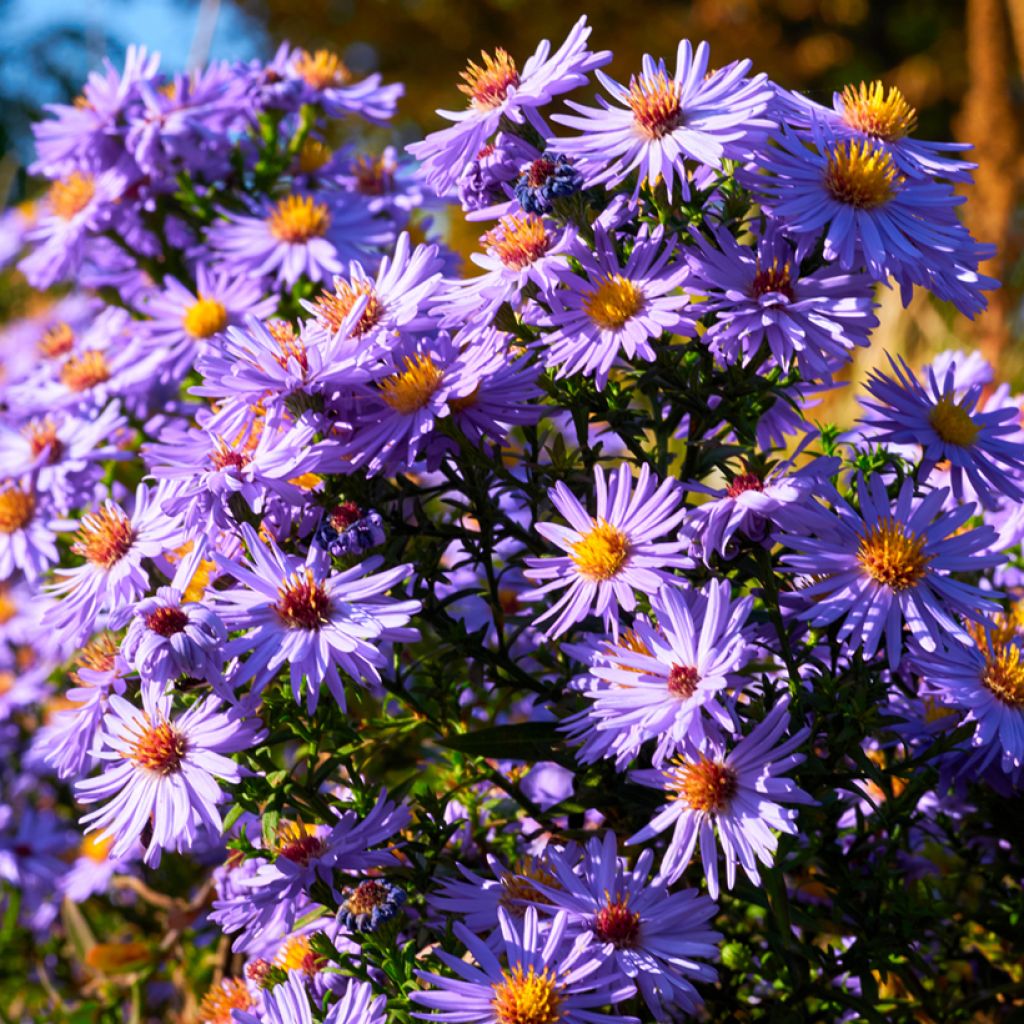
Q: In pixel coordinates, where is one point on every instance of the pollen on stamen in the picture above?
(230, 994)
(99, 654)
(17, 507)
(224, 457)
(159, 747)
(617, 924)
(411, 389)
(79, 373)
(291, 346)
(613, 301)
(656, 104)
(527, 997)
(166, 621)
(517, 885)
(298, 842)
(42, 437)
(322, 70)
(297, 219)
(296, 954)
(332, 309)
(303, 601)
(72, 195)
(683, 680)
(105, 537)
(869, 109)
(601, 554)
(205, 317)
(861, 175)
(519, 240)
(1004, 673)
(773, 278)
(743, 482)
(704, 785)
(488, 85)
(953, 423)
(893, 555)
(56, 341)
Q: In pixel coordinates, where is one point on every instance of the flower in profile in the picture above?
(366, 906)
(551, 176)
(737, 793)
(331, 84)
(985, 678)
(985, 447)
(26, 541)
(162, 770)
(497, 89)
(544, 979)
(888, 564)
(664, 120)
(654, 937)
(315, 621)
(872, 216)
(182, 322)
(758, 296)
(612, 554)
(114, 544)
(617, 307)
(298, 235)
(657, 683)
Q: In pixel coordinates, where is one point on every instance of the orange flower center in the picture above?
(99, 653)
(42, 437)
(72, 195)
(613, 301)
(333, 309)
(519, 240)
(56, 341)
(16, 508)
(80, 374)
(1004, 673)
(655, 103)
(526, 997)
(869, 109)
(704, 785)
(159, 748)
(602, 553)
(322, 70)
(773, 279)
(313, 156)
(297, 219)
(219, 1001)
(411, 389)
(105, 537)
(487, 85)
(296, 954)
(298, 843)
(893, 556)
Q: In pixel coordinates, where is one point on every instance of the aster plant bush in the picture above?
(386, 642)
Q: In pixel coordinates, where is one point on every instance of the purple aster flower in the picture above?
(544, 977)
(758, 295)
(551, 176)
(870, 214)
(652, 936)
(736, 792)
(616, 307)
(348, 530)
(26, 541)
(658, 683)
(664, 120)
(297, 236)
(368, 905)
(169, 638)
(611, 554)
(315, 621)
(888, 564)
(749, 505)
(489, 177)
(986, 447)
(114, 544)
(869, 111)
(182, 322)
(498, 90)
(329, 83)
(985, 678)
(162, 771)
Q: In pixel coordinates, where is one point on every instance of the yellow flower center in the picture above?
(704, 785)
(953, 422)
(80, 374)
(487, 85)
(861, 175)
(655, 104)
(303, 602)
(96, 846)
(160, 747)
(72, 195)
(613, 301)
(602, 552)
(57, 340)
(868, 109)
(296, 954)
(517, 884)
(1004, 673)
(8, 606)
(230, 994)
(773, 279)
(518, 240)
(322, 69)
(526, 997)
(99, 653)
(892, 555)
(412, 388)
(16, 508)
(314, 155)
(205, 317)
(105, 537)
(298, 842)
(331, 310)
(298, 219)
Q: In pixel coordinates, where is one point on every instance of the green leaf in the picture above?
(530, 741)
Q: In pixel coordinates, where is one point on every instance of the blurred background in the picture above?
(957, 61)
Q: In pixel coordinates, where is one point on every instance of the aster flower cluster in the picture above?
(379, 642)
